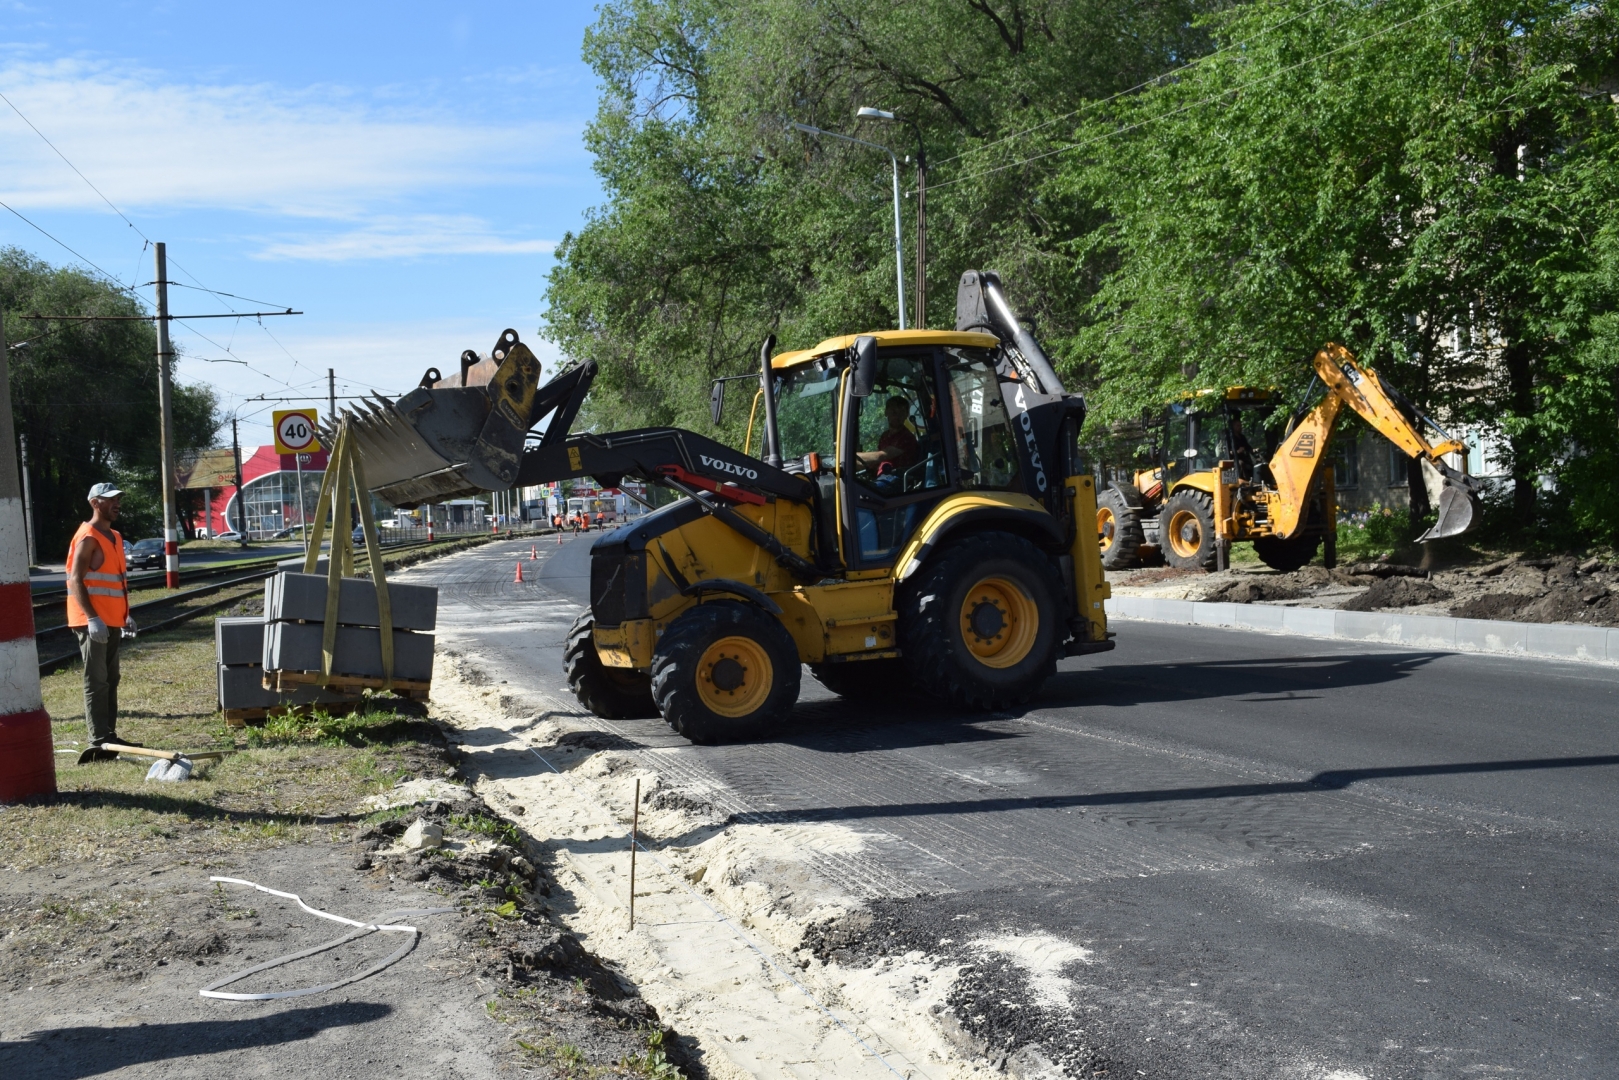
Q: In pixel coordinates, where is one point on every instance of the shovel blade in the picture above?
(169, 771)
(1458, 510)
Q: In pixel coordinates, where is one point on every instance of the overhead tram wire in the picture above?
(1195, 104)
(1089, 105)
(40, 229)
(75, 169)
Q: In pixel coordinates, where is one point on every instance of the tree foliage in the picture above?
(1175, 193)
(84, 394)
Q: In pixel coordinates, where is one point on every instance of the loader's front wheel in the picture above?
(979, 625)
(610, 693)
(724, 670)
(1118, 526)
(1188, 525)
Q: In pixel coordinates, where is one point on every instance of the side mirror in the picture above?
(716, 401)
(865, 366)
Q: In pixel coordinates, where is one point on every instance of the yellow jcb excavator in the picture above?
(1207, 488)
(920, 518)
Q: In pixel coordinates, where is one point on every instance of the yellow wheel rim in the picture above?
(1185, 534)
(734, 676)
(999, 622)
(1106, 525)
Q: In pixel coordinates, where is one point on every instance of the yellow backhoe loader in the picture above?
(920, 518)
(1208, 488)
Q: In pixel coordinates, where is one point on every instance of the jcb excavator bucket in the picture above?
(464, 434)
(1458, 510)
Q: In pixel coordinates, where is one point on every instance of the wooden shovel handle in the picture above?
(166, 755)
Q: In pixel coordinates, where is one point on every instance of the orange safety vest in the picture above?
(109, 592)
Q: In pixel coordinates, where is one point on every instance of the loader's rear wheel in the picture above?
(1286, 555)
(864, 680)
(1119, 527)
(611, 693)
(979, 625)
(724, 670)
(1188, 528)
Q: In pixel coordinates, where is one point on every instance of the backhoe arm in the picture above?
(1298, 461)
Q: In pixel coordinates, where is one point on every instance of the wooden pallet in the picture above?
(283, 681)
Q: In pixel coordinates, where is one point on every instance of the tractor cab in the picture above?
(928, 419)
(1210, 426)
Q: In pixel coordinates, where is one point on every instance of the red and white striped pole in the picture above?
(27, 763)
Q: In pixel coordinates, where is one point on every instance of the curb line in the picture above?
(1557, 641)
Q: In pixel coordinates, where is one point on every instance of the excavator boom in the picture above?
(1301, 455)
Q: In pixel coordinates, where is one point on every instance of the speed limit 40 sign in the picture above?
(295, 431)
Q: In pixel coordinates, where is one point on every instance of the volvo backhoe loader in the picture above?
(920, 517)
(1208, 488)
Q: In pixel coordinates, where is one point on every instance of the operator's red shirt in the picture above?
(903, 442)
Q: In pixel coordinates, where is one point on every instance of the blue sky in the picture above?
(400, 172)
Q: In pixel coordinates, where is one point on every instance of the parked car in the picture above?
(282, 534)
(145, 554)
(230, 537)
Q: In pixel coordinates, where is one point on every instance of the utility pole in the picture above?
(28, 503)
(28, 765)
(921, 233)
(165, 404)
(331, 396)
(241, 506)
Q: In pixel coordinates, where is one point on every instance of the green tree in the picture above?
(85, 396)
(1419, 180)
(721, 227)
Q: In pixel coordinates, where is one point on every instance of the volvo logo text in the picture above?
(726, 466)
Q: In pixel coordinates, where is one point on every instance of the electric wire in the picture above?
(1195, 104)
(59, 243)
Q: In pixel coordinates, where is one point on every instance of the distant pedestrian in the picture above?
(98, 610)
(600, 517)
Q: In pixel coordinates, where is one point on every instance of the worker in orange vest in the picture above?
(600, 517)
(98, 610)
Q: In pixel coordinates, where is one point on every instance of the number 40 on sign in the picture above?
(295, 431)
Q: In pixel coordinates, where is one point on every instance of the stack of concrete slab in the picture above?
(295, 614)
(239, 650)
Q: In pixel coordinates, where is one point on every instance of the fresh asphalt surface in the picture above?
(1283, 856)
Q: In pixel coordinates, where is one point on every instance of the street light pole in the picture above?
(899, 248)
(921, 208)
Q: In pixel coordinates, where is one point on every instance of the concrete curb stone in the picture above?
(1588, 644)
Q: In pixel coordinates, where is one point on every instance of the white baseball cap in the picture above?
(104, 491)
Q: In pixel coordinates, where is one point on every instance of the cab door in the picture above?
(894, 463)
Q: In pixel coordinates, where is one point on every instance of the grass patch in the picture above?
(277, 788)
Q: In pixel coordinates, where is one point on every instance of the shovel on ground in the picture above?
(171, 765)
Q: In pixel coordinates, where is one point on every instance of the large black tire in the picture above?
(965, 622)
(724, 671)
(1286, 555)
(864, 680)
(1187, 530)
(610, 693)
(1118, 521)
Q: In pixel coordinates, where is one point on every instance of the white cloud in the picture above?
(403, 238)
(318, 152)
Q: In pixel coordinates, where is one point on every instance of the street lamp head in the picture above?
(869, 113)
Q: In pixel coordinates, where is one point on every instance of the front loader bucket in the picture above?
(1458, 510)
(465, 434)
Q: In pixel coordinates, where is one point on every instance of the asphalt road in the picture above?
(1235, 854)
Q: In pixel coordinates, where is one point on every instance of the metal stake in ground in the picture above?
(635, 827)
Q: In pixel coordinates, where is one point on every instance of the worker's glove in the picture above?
(129, 627)
(97, 629)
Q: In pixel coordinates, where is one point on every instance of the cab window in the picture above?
(899, 446)
(986, 454)
(807, 410)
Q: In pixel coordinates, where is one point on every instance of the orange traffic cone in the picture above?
(533, 552)
(519, 578)
(559, 538)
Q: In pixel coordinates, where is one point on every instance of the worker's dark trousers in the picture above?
(100, 682)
